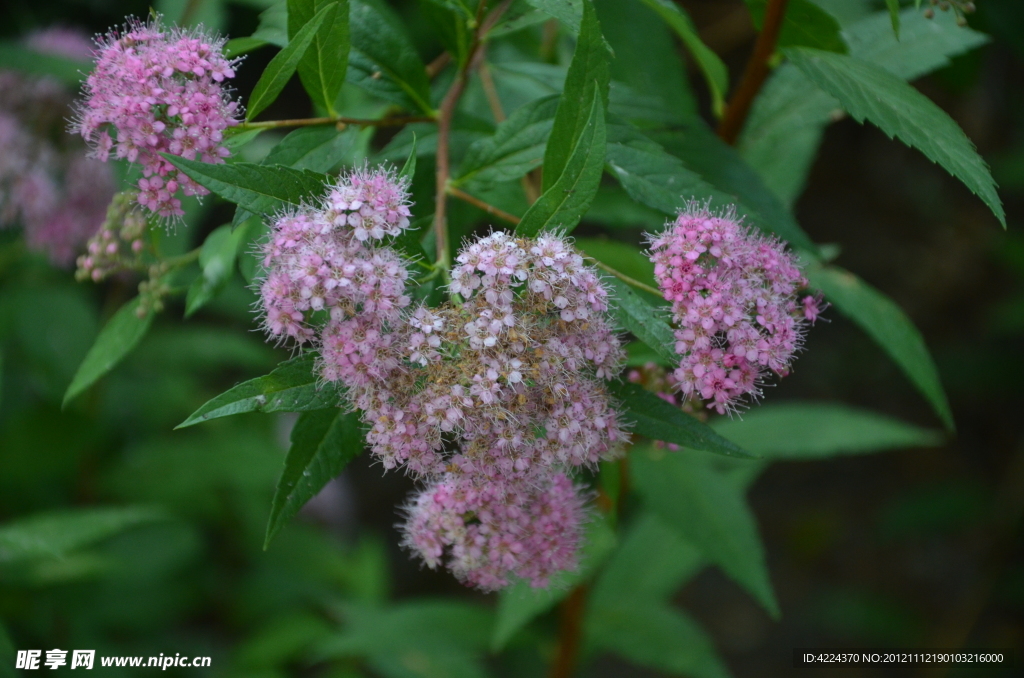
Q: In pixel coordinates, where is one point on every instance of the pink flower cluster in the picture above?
(327, 265)
(734, 301)
(153, 91)
(492, 401)
(47, 184)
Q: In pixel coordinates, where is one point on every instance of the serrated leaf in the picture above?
(284, 63)
(291, 387)
(54, 535)
(116, 340)
(708, 511)
(589, 72)
(216, 264)
(715, 73)
(656, 636)
(322, 68)
(323, 443)
(656, 419)
(869, 92)
(817, 430)
(516, 147)
(569, 12)
(786, 123)
(383, 60)
(804, 24)
(256, 188)
(888, 325)
(318, 149)
(641, 319)
(519, 604)
(563, 205)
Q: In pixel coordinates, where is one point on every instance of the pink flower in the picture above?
(153, 91)
(735, 303)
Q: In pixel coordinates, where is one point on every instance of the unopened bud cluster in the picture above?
(118, 244)
(735, 304)
(47, 184)
(492, 401)
(153, 91)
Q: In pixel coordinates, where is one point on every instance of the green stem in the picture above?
(633, 282)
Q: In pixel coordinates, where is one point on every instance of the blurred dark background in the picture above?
(908, 548)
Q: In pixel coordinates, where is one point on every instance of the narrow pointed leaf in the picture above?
(409, 168)
(569, 12)
(814, 430)
(318, 149)
(563, 205)
(894, 15)
(656, 419)
(116, 340)
(708, 511)
(284, 63)
(291, 387)
(383, 60)
(322, 68)
(323, 443)
(805, 24)
(515, 148)
(715, 73)
(889, 326)
(589, 72)
(256, 188)
(871, 93)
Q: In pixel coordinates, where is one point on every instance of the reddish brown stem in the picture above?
(755, 73)
(570, 629)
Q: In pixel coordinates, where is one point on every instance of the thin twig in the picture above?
(633, 282)
(486, 207)
(340, 121)
(445, 113)
(755, 73)
(438, 64)
(570, 625)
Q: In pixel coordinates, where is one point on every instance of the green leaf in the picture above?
(323, 443)
(383, 60)
(322, 68)
(116, 340)
(318, 149)
(644, 321)
(888, 325)
(569, 12)
(284, 63)
(869, 92)
(408, 170)
(656, 636)
(291, 387)
(515, 148)
(649, 566)
(623, 257)
(894, 15)
(563, 205)
(217, 265)
(589, 72)
(54, 535)
(519, 604)
(236, 47)
(708, 511)
(786, 123)
(256, 188)
(273, 26)
(656, 419)
(423, 637)
(805, 24)
(816, 430)
(18, 57)
(715, 73)
(721, 166)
